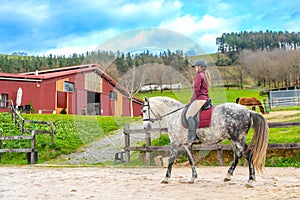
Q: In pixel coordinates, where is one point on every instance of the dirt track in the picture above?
(40, 182)
(277, 116)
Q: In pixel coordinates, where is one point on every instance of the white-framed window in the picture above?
(3, 103)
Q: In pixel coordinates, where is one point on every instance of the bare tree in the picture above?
(278, 67)
(295, 68)
(239, 72)
(132, 81)
(258, 64)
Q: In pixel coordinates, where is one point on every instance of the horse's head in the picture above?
(146, 110)
(146, 114)
(159, 109)
(151, 112)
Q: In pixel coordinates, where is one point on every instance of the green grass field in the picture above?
(218, 95)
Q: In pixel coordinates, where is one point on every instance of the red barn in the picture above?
(83, 89)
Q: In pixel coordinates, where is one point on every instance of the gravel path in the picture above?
(102, 150)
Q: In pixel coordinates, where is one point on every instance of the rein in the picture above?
(160, 117)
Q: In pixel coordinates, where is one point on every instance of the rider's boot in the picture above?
(192, 126)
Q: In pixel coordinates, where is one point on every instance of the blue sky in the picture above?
(76, 26)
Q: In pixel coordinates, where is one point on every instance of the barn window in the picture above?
(113, 95)
(68, 87)
(4, 98)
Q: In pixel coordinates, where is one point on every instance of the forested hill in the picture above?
(269, 40)
(122, 62)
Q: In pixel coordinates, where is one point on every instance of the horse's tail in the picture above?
(237, 100)
(259, 143)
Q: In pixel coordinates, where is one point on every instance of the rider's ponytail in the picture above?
(207, 78)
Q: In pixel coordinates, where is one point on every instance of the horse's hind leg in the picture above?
(251, 169)
(237, 155)
(173, 155)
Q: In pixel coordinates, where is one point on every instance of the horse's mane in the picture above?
(167, 100)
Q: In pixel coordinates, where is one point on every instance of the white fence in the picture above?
(284, 98)
(154, 87)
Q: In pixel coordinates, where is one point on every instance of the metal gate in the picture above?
(284, 98)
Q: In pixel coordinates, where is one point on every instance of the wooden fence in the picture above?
(24, 150)
(219, 148)
(23, 124)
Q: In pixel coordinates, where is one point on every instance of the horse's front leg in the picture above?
(192, 162)
(173, 155)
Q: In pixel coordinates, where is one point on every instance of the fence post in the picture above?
(127, 143)
(0, 145)
(23, 126)
(148, 144)
(52, 131)
(32, 155)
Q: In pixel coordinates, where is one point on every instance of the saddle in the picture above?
(203, 116)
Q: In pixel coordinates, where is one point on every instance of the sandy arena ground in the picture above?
(44, 182)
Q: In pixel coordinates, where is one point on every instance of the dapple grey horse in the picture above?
(229, 121)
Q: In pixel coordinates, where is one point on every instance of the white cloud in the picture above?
(203, 30)
(293, 26)
(208, 42)
(190, 24)
(79, 44)
(26, 10)
(132, 11)
(151, 7)
(185, 25)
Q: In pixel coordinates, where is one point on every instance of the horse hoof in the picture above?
(164, 181)
(249, 184)
(192, 180)
(227, 177)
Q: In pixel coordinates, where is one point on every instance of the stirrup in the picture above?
(192, 140)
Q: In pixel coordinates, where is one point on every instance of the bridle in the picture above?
(158, 118)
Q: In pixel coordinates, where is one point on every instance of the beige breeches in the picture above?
(194, 108)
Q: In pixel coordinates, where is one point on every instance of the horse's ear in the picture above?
(145, 99)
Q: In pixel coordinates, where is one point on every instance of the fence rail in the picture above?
(20, 121)
(283, 124)
(24, 150)
(219, 148)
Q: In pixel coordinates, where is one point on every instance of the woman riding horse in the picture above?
(200, 96)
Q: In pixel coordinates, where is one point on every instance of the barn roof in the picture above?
(18, 77)
(266, 92)
(57, 72)
(38, 76)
